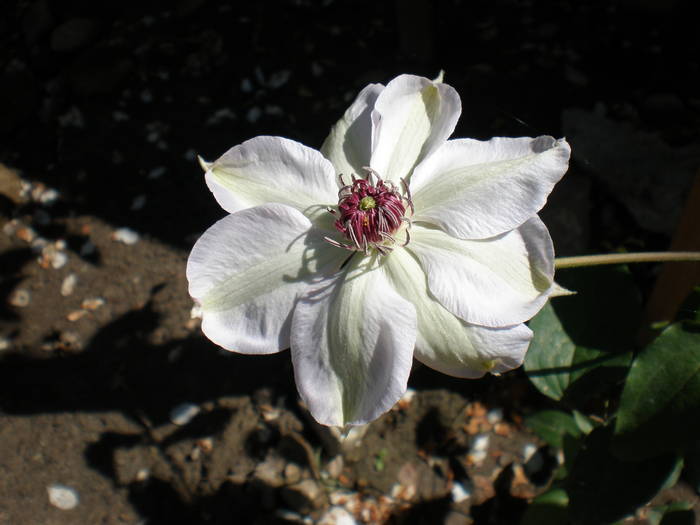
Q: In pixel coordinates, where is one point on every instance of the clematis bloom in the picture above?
(391, 242)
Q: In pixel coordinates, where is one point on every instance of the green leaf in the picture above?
(603, 488)
(583, 422)
(661, 399)
(593, 330)
(547, 509)
(552, 425)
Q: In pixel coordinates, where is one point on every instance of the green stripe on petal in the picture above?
(412, 117)
(496, 282)
(247, 271)
(266, 170)
(352, 345)
(445, 342)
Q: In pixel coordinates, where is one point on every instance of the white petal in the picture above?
(412, 117)
(247, 269)
(263, 170)
(475, 190)
(445, 342)
(495, 282)
(352, 346)
(349, 144)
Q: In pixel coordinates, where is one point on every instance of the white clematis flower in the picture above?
(390, 243)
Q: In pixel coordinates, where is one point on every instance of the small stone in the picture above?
(303, 496)
(62, 496)
(157, 172)
(126, 236)
(92, 303)
(337, 516)
(73, 34)
(206, 444)
(25, 233)
(292, 473)
(76, 315)
(183, 413)
(68, 284)
(494, 415)
(142, 475)
(5, 344)
(528, 451)
(139, 202)
(196, 312)
(58, 259)
(406, 399)
(460, 493)
(246, 85)
(479, 448)
(20, 298)
(73, 118)
(270, 471)
(335, 466)
(10, 184)
(253, 114)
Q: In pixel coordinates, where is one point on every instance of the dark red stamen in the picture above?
(369, 214)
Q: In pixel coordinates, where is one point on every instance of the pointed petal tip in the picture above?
(559, 291)
(439, 79)
(203, 163)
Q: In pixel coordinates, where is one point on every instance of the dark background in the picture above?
(96, 95)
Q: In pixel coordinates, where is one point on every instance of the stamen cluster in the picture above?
(370, 212)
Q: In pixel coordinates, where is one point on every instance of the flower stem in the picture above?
(623, 258)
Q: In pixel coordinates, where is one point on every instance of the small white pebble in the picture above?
(221, 114)
(10, 227)
(337, 516)
(459, 492)
(246, 85)
(157, 172)
(49, 196)
(273, 110)
(184, 413)
(5, 344)
(479, 448)
(196, 312)
(125, 235)
(142, 474)
(58, 259)
(139, 202)
(494, 416)
(316, 69)
(119, 116)
(481, 442)
(62, 496)
(20, 298)
(528, 451)
(253, 114)
(72, 118)
(92, 303)
(68, 284)
(38, 245)
(279, 78)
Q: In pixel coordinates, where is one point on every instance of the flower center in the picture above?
(370, 214)
(367, 203)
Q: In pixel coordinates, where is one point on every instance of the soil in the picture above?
(105, 106)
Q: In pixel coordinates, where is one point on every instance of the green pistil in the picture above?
(367, 203)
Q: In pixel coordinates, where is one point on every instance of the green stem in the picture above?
(623, 258)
